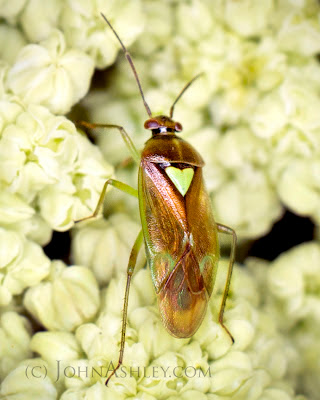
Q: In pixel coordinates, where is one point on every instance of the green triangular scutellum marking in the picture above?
(181, 178)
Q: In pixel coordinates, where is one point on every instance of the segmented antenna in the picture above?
(128, 57)
(181, 93)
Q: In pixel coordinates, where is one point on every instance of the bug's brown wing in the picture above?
(164, 221)
(182, 308)
(203, 229)
(182, 246)
(184, 298)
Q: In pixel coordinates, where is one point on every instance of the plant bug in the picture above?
(178, 228)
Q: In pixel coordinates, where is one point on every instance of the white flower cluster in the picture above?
(260, 88)
(50, 174)
(15, 335)
(105, 245)
(70, 297)
(161, 367)
(299, 300)
(291, 289)
(46, 163)
(22, 264)
(253, 115)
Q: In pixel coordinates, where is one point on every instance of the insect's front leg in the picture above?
(131, 265)
(119, 185)
(126, 138)
(228, 231)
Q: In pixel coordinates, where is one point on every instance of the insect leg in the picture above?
(119, 185)
(228, 231)
(129, 143)
(131, 265)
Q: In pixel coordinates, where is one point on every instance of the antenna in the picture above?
(128, 57)
(181, 93)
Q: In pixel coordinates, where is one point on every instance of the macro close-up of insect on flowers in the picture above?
(205, 114)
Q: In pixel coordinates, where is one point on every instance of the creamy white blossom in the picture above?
(58, 349)
(248, 18)
(257, 80)
(257, 359)
(249, 202)
(68, 298)
(46, 161)
(62, 345)
(301, 34)
(15, 334)
(305, 339)
(11, 42)
(253, 115)
(22, 264)
(85, 29)
(10, 9)
(46, 13)
(29, 380)
(50, 74)
(293, 282)
(105, 246)
(299, 184)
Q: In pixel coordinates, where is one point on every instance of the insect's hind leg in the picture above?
(228, 231)
(131, 265)
(119, 185)
(129, 143)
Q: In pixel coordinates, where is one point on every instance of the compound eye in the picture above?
(151, 124)
(178, 127)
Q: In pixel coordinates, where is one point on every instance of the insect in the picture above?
(178, 228)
